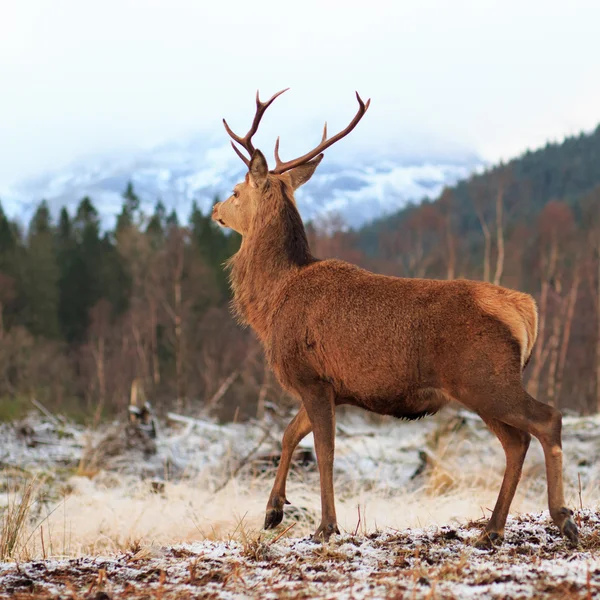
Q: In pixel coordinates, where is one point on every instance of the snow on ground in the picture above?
(434, 562)
(182, 513)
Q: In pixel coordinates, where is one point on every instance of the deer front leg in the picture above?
(321, 412)
(298, 428)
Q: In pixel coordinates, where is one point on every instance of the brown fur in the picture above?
(336, 334)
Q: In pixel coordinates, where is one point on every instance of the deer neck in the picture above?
(273, 251)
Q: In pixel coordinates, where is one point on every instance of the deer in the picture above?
(335, 334)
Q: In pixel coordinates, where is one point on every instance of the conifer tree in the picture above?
(8, 282)
(157, 224)
(80, 256)
(40, 277)
(173, 219)
(7, 238)
(213, 245)
(131, 205)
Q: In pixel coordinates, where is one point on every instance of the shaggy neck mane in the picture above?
(274, 249)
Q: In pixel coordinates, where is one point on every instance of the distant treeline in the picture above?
(85, 313)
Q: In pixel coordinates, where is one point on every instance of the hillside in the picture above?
(564, 171)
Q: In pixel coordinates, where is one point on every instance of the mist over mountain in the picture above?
(357, 184)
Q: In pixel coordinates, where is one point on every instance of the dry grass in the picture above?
(96, 512)
(14, 519)
(132, 538)
(107, 514)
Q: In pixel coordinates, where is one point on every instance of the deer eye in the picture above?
(236, 194)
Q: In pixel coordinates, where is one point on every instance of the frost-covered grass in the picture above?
(432, 562)
(192, 509)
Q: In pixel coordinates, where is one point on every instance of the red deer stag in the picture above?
(336, 334)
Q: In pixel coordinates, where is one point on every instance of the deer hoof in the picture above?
(488, 539)
(563, 518)
(324, 532)
(569, 530)
(273, 517)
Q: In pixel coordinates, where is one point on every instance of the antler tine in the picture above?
(239, 153)
(282, 167)
(324, 138)
(277, 159)
(246, 141)
(279, 162)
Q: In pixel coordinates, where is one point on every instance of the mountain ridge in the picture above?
(179, 173)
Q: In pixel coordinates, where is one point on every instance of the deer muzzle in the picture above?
(215, 214)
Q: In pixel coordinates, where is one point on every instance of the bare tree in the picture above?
(598, 331)
(98, 333)
(478, 200)
(173, 302)
(555, 226)
(592, 223)
(446, 203)
(569, 313)
(499, 233)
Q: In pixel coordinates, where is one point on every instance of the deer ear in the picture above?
(300, 175)
(258, 169)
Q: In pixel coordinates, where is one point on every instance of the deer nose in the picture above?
(215, 210)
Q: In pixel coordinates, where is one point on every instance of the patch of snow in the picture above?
(202, 169)
(418, 563)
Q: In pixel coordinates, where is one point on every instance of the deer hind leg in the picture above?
(515, 443)
(549, 434)
(517, 408)
(298, 429)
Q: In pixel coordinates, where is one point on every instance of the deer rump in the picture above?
(395, 346)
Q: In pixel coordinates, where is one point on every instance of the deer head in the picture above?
(238, 210)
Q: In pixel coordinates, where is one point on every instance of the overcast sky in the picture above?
(79, 77)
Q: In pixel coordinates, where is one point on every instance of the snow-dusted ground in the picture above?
(435, 562)
(191, 503)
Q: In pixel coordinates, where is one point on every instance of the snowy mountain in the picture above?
(201, 169)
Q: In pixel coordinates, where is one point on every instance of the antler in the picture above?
(282, 167)
(246, 141)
